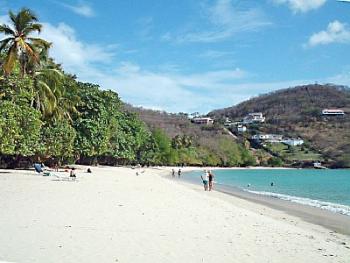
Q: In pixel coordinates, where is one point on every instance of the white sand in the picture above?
(113, 215)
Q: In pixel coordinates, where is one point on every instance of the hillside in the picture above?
(297, 112)
(213, 145)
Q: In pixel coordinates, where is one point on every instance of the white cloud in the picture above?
(224, 20)
(75, 55)
(336, 32)
(82, 9)
(301, 6)
(172, 91)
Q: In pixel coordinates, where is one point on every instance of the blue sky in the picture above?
(196, 55)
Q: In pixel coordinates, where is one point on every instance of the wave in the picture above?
(335, 208)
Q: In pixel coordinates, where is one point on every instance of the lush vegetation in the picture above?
(47, 115)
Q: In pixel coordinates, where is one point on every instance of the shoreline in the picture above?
(333, 221)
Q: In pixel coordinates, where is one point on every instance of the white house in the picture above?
(241, 128)
(293, 142)
(206, 121)
(254, 117)
(332, 112)
(267, 137)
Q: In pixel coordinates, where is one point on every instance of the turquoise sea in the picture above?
(326, 189)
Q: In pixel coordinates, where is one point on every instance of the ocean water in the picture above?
(326, 189)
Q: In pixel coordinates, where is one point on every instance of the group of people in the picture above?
(40, 168)
(208, 180)
(178, 173)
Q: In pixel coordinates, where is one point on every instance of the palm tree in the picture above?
(19, 45)
(46, 87)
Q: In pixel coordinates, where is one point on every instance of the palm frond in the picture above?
(25, 18)
(32, 28)
(10, 60)
(40, 42)
(13, 18)
(6, 30)
(4, 43)
(45, 93)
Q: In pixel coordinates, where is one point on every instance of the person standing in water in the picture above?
(179, 173)
(173, 173)
(211, 180)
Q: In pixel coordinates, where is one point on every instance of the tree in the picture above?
(163, 143)
(47, 89)
(58, 140)
(19, 129)
(19, 45)
(275, 162)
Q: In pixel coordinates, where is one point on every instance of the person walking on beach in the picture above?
(205, 179)
(211, 179)
(179, 173)
(173, 172)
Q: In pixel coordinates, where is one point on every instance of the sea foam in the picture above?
(335, 208)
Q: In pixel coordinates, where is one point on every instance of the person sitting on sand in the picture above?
(205, 179)
(211, 179)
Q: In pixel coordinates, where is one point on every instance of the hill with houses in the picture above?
(300, 124)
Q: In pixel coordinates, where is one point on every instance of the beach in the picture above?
(114, 215)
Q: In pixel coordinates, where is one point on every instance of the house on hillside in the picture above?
(254, 117)
(332, 112)
(205, 121)
(241, 128)
(293, 142)
(228, 122)
(268, 137)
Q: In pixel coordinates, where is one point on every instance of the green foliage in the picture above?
(93, 123)
(16, 89)
(164, 154)
(19, 129)
(58, 140)
(207, 157)
(275, 162)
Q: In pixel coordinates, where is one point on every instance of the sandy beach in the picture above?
(113, 215)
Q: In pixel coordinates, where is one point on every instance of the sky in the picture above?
(196, 55)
